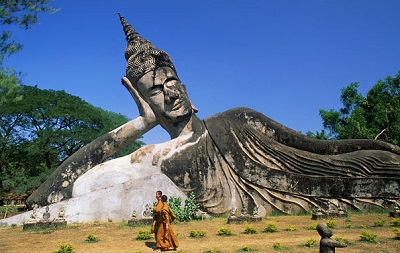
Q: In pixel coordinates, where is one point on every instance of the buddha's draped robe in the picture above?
(244, 160)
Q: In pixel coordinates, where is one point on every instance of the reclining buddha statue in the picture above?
(235, 160)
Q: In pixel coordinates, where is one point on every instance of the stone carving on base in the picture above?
(146, 219)
(326, 244)
(237, 159)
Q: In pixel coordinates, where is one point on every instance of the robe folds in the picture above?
(246, 161)
(165, 238)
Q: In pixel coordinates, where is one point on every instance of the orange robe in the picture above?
(165, 239)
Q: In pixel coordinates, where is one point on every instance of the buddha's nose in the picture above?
(170, 95)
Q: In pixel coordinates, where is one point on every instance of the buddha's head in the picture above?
(155, 76)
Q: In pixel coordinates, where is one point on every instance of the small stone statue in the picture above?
(61, 214)
(148, 211)
(134, 214)
(46, 215)
(327, 245)
(34, 212)
(255, 211)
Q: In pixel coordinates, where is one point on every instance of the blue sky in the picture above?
(284, 58)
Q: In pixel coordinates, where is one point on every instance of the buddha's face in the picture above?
(166, 95)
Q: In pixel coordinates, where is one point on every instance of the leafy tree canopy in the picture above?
(41, 130)
(376, 116)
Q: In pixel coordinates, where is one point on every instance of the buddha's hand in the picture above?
(144, 108)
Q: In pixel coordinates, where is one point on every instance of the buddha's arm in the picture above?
(59, 185)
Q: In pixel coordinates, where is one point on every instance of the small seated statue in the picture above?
(327, 245)
(34, 213)
(46, 214)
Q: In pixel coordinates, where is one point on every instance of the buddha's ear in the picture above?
(194, 108)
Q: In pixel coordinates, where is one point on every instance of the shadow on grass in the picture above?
(151, 245)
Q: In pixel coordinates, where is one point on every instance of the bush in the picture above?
(342, 240)
(271, 227)
(212, 251)
(311, 242)
(278, 246)
(290, 228)
(250, 230)
(224, 232)
(348, 226)
(379, 223)
(396, 222)
(197, 233)
(396, 231)
(368, 237)
(64, 248)
(313, 226)
(189, 210)
(8, 209)
(246, 249)
(143, 235)
(91, 238)
(331, 224)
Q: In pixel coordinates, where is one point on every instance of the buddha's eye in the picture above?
(156, 89)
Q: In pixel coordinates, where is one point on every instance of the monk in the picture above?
(238, 159)
(163, 215)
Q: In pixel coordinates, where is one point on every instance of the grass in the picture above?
(117, 238)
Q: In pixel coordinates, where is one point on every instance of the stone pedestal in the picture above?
(44, 224)
(243, 219)
(328, 215)
(138, 222)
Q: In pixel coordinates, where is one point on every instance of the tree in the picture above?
(376, 116)
(20, 13)
(43, 129)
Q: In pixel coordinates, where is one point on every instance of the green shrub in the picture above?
(189, 210)
(250, 230)
(290, 228)
(271, 227)
(379, 222)
(396, 222)
(246, 249)
(348, 226)
(331, 224)
(212, 251)
(197, 233)
(224, 232)
(91, 238)
(64, 248)
(396, 231)
(278, 246)
(311, 242)
(368, 237)
(143, 235)
(342, 240)
(8, 209)
(313, 226)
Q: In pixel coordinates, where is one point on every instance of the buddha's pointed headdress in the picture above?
(141, 55)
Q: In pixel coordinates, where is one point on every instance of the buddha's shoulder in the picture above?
(237, 114)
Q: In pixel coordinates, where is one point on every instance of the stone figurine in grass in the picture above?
(238, 159)
(326, 244)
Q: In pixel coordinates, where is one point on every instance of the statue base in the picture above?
(44, 224)
(242, 219)
(139, 222)
(327, 215)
